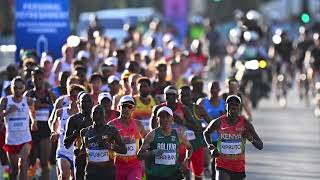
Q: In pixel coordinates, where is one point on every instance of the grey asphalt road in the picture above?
(291, 139)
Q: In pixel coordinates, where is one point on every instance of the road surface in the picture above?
(291, 139)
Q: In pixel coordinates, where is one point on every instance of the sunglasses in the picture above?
(129, 106)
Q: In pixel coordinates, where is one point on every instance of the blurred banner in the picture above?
(176, 14)
(42, 25)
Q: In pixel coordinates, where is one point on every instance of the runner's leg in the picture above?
(23, 163)
(13, 160)
(44, 155)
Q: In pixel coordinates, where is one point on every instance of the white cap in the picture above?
(165, 109)
(126, 99)
(45, 57)
(111, 61)
(81, 95)
(113, 78)
(170, 90)
(83, 54)
(104, 95)
(233, 97)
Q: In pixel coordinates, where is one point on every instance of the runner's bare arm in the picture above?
(189, 121)
(56, 106)
(141, 129)
(153, 119)
(70, 136)
(252, 136)
(32, 114)
(202, 113)
(118, 145)
(187, 144)
(56, 118)
(54, 134)
(213, 125)
(3, 105)
(143, 152)
(52, 97)
(246, 107)
(83, 145)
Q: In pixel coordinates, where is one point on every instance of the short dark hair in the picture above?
(76, 87)
(17, 79)
(161, 65)
(79, 68)
(94, 77)
(144, 79)
(184, 88)
(231, 80)
(78, 63)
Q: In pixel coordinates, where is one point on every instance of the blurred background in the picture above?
(217, 31)
(193, 11)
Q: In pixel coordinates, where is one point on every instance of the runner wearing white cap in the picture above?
(105, 100)
(46, 62)
(160, 149)
(131, 131)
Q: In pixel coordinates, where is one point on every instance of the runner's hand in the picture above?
(211, 147)
(185, 165)
(54, 137)
(215, 153)
(34, 126)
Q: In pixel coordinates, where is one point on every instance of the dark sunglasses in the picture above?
(129, 106)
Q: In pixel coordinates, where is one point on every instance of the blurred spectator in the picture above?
(196, 83)
(160, 82)
(95, 87)
(46, 62)
(12, 72)
(62, 88)
(95, 29)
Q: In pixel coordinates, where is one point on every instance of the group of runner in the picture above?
(102, 112)
(139, 139)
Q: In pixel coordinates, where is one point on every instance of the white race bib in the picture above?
(145, 123)
(131, 149)
(98, 155)
(18, 124)
(190, 135)
(231, 148)
(42, 114)
(167, 158)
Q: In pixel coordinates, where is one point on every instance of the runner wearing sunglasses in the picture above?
(131, 131)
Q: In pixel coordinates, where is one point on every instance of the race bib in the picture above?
(145, 123)
(18, 124)
(190, 135)
(42, 114)
(98, 155)
(131, 150)
(167, 158)
(231, 148)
